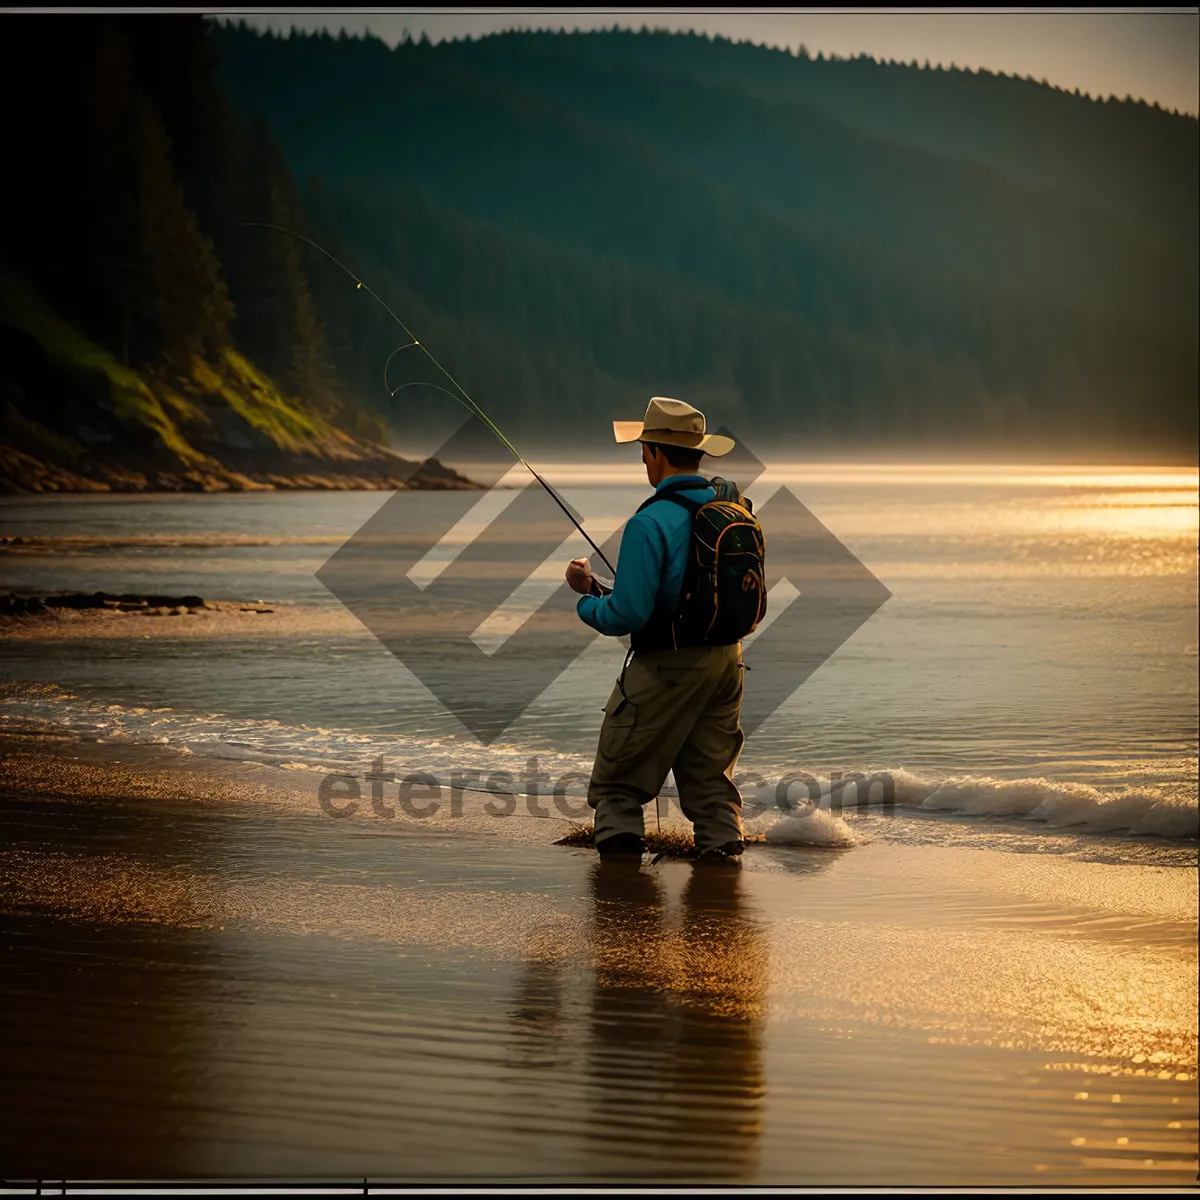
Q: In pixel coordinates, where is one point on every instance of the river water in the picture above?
(994, 982)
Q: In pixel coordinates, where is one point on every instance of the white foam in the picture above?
(1146, 810)
(1138, 809)
(815, 827)
(803, 819)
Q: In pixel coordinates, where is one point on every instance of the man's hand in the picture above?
(579, 577)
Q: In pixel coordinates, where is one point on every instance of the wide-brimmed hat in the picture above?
(673, 423)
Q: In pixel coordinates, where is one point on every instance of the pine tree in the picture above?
(176, 63)
(172, 281)
(154, 280)
(277, 322)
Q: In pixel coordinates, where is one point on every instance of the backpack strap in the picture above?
(693, 506)
(659, 632)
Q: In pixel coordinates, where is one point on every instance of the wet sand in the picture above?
(208, 976)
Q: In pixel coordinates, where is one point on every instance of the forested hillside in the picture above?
(826, 253)
(147, 338)
(828, 256)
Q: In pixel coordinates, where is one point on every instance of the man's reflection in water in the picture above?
(674, 1055)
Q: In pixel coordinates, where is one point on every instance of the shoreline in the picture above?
(965, 947)
(198, 952)
(1080, 815)
(25, 476)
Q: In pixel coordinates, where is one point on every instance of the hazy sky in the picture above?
(1147, 53)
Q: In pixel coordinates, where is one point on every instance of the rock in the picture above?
(16, 604)
(76, 600)
(12, 604)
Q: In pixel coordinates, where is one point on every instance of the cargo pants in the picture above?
(680, 711)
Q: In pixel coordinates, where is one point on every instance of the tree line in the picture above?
(817, 252)
(586, 218)
(131, 183)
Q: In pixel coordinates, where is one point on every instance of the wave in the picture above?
(1169, 812)
(816, 827)
(1144, 810)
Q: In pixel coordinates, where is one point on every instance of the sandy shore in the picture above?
(197, 950)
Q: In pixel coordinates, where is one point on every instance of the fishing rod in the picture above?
(460, 393)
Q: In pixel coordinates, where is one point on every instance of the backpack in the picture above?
(724, 587)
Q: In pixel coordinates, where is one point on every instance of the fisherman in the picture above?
(677, 704)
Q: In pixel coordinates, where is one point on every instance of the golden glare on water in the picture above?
(1091, 520)
(1140, 515)
(907, 474)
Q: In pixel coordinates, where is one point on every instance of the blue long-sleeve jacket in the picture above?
(651, 564)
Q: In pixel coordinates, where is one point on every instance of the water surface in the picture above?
(995, 983)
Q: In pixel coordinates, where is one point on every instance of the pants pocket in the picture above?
(620, 717)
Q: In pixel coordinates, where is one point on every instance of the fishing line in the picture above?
(460, 393)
